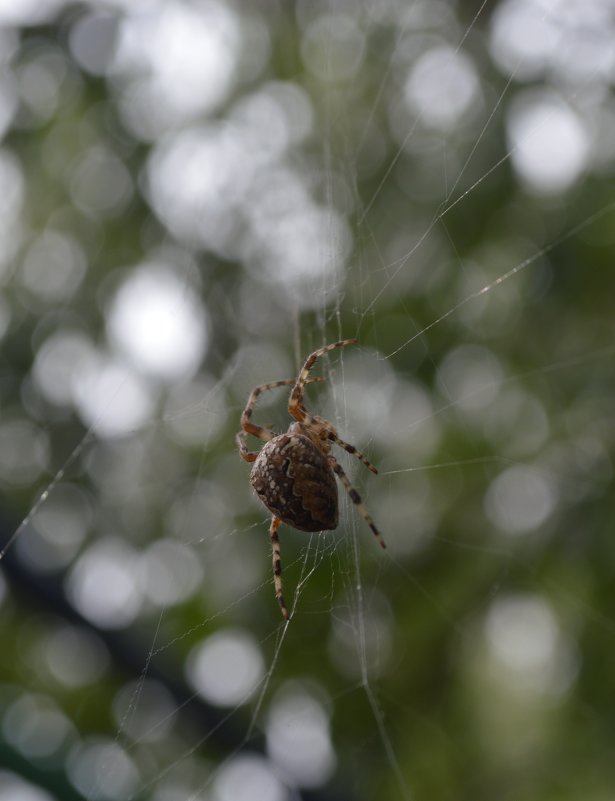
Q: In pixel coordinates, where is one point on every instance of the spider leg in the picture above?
(248, 427)
(246, 455)
(330, 432)
(295, 404)
(356, 499)
(251, 428)
(277, 564)
(262, 432)
(351, 449)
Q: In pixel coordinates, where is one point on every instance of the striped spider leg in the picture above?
(326, 430)
(266, 434)
(293, 474)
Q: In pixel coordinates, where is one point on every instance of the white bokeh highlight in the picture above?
(157, 322)
(102, 584)
(549, 143)
(59, 361)
(100, 183)
(53, 267)
(169, 572)
(152, 710)
(35, 725)
(520, 499)
(525, 641)
(28, 12)
(75, 657)
(442, 87)
(12, 190)
(523, 38)
(469, 377)
(201, 44)
(111, 397)
(559, 40)
(17, 789)
(248, 777)
(102, 770)
(226, 668)
(197, 178)
(57, 531)
(298, 738)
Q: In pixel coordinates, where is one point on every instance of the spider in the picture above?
(293, 473)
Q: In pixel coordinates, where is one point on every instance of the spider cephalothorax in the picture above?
(293, 473)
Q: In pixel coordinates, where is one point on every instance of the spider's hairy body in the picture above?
(294, 480)
(294, 473)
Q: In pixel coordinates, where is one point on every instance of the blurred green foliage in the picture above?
(430, 177)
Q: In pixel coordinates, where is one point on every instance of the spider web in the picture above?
(435, 388)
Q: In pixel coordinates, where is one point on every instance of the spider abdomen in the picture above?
(296, 483)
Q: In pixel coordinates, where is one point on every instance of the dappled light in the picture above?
(226, 668)
(195, 196)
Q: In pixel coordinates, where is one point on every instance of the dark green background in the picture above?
(429, 712)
